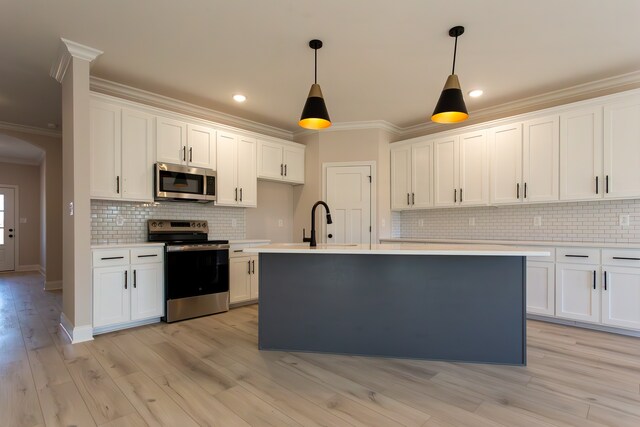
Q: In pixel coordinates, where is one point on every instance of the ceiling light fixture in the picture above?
(239, 98)
(450, 107)
(314, 114)
(476, 93)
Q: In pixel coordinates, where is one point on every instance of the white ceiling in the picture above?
(14, 150)
(381, 60)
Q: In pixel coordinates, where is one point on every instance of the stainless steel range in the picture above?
(196, 269)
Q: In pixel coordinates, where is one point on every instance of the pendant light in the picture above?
(314, 114)
(450, 107)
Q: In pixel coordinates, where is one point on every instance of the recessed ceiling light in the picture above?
(476, 93)
(239, 98)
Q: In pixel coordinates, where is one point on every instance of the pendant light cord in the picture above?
(455, 49)
(315, 76)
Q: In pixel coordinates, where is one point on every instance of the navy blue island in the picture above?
(421, 301)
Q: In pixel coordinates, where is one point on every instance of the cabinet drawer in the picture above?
(110, 257)
(550, 258)
(578, 255)
(621, 257)
(147, 255)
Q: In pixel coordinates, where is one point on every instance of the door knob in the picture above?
(330, 236)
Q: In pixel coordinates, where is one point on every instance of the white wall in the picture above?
(275, 204)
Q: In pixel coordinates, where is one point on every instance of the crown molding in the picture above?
(30, 129)
(164, 102)
(69, 49)
(363, 125)
(545, 100)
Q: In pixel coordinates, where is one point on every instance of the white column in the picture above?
(72, 71)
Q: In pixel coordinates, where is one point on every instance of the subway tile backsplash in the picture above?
(106, 213)
(593, 222)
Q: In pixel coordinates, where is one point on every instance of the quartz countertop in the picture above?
(516, 243)
(125, 245)
(400, 249)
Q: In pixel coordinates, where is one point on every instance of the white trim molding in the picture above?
(30, 129)
(119, 90)
(53, 285)
(371, 124)
(76, 333)
(29, 267)
(69, 49)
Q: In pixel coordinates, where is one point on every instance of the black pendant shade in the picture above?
(315, 114)
(451, 107)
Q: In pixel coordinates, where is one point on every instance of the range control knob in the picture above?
(160, 224)
(153, 224)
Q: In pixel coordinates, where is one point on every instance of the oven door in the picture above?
(193, 272)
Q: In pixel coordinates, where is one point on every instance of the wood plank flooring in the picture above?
(209, 372)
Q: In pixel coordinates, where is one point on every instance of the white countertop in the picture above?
(249, 241)
(399, 249)
(125, 245)
(517, 242)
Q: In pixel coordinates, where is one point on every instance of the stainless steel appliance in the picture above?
(184, 183)
(196, 269)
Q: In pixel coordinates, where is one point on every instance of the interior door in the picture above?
(349, 198)
(7, 229)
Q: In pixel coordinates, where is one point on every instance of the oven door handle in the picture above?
(196, 248)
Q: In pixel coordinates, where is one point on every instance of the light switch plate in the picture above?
(280, 223)
(23, 220)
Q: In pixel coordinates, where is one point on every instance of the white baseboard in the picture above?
(76, 333)
(53, 285)
(32, 267)
(111, 328)
(584, 325)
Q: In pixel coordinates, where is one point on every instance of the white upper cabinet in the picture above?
(474, 169)
(505, 144)
(236, 174)
(281, 161)
(445, 167)
(622, 147)
(461, 170)
(185, 144)
(422, 175)
(412, 176)
(201, 143)
(171, 141)
(401, 177)
(541, 165)
(581, 148)
(121, 152)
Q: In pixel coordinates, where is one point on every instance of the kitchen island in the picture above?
(423, 301)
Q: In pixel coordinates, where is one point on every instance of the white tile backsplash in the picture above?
(594, 222)
(106, 215)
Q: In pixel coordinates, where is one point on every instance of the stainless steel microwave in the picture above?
(184, 183)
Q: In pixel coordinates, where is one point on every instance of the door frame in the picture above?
(16, 225)
(373, 199)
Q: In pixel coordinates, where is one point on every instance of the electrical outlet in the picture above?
(234, 223)
(70, 208)
(421, 222)
(280, 223)
(119, 221)
(624, 220)
(537, 221)
(23, 220)
(472, 222)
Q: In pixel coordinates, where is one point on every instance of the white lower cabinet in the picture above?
(541, 288)
(621, 296)
(128, 287)
(577, 292)
(243, 279)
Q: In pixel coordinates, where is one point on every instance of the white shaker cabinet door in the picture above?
(227, 156)
(474, 170)
(239, 279)
(104, 150)
(422, 175)
(255, 289)
(111, 301)
(137, 155)
(201, 147)
(541, 288)
(401, 178)
(247, 172)
(446, 188)
(293, 159)
(622, 148)
(270, 160)
(147, 293)
(621, 297)
(506, 164)
(541, 164)
(171, 141)
(581, 155)
(577, 292)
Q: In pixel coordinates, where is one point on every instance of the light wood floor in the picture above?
(208, 371)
